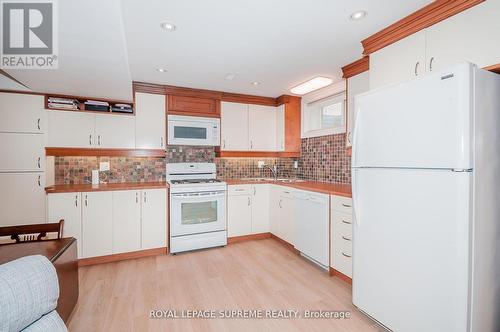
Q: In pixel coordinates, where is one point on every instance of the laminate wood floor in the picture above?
(250, 275)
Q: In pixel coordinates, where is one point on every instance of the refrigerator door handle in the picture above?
(354, 189)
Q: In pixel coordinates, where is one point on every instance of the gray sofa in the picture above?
(29, 290)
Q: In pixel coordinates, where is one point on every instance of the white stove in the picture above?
(197, 207)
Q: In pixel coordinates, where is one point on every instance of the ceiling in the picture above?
(104, 45)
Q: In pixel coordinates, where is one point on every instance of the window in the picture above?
(325, 116)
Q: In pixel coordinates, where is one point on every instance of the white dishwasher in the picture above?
(312, 226)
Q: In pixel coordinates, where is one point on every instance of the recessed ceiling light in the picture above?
(360, 14)
(161, 70)
(311, 85)
(230, 76)
(168, 26)
(255, 83)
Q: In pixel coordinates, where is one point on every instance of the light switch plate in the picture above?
(296, 164)
(260, 163)
(104, 166)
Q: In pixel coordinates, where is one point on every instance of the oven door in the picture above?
(186, 131)
(194, 213)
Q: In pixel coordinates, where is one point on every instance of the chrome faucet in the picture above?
(274, 170)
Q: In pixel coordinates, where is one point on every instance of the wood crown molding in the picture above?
(433, 13)
(254, 154)
(90, 152)
(493, 68)
(356, 67)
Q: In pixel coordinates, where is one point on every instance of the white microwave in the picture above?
(193, 130)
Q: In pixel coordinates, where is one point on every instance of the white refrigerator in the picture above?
(426, 191)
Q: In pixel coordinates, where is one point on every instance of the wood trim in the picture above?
(431, 14)
(293, 119)
(9, 76)
(255, 154)
(22, 92)
(493, 68)
(251, 237)
(123, 256)
(65, 152)
(283, 99)
(357, 67)
(340, 275)
(287, 245)
(148, 88)
(248, 99)
(191, 92)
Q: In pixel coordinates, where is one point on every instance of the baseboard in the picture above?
(340, 275)
(287, 245)
(251, 237)
(123, 256)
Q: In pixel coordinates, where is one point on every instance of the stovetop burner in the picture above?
(190, 181)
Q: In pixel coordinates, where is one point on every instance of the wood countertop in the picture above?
(339, 189)
(68, 188)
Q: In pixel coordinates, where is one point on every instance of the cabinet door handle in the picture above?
(346, 205)
(86, 203)
(430, 63)
(38, 163)
(38, 123)
(346, 222)
(90, 139)
(39, 180)
(279, 203)
(76, 200)
(416, 68)
(137, 197)
(248, 201)
(161, 142)
(144, 197)
(99, 140)
(346, 238)
(346, 255)
(251, 144)
(254, 191)
(349, 137)
(224, 143)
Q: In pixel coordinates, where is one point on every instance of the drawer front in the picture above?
(342, 204)
(342, 223)
(342, 263)
(286, 192)
(239, 189)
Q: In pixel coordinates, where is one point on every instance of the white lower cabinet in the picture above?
(283, 214)
(341, 235)
(67, 206)
(126, 221)
(97, 223)
(112, 222)
(260, 194)
(312, 225)
(154, 218)
(22, 198)
(239, 210)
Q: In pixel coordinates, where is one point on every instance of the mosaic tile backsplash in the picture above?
(322, 159)
(78, 170)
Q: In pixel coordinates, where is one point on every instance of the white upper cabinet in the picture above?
(71, 129)
(465, 37)
(355, 85)
(150, 121)
(234, 127)
(280, 128)
(21, 113)
(401, 61)
(262, 128)
(22, 153)
(114, 131)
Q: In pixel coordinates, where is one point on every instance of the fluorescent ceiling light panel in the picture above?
(311, 85)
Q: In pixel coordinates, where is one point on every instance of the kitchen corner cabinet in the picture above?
(234, 127)
(30, 120)
(463, 37)
(97, 223)
(355, 85)
(262, 128)
(67, 206)
(126, 221)
(150, 121)
(154, 218)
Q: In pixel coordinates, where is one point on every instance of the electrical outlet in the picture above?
(296, 164)
(104, 166)
(260, 163)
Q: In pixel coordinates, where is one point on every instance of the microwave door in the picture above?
(181, 132)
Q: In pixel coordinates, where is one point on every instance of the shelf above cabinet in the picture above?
(84, 152)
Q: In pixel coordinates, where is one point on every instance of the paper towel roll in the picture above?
(95, 176)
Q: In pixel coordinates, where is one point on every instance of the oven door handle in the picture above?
(200, 195)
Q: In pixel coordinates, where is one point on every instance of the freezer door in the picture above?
(424, 123)
(410, 257)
